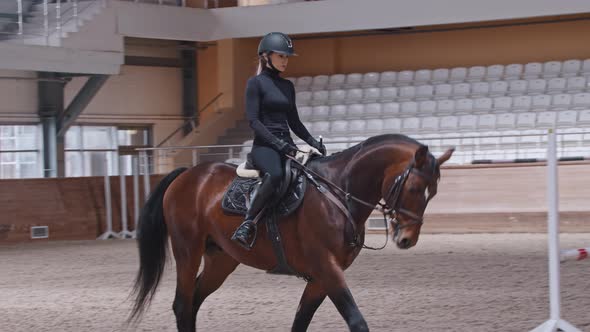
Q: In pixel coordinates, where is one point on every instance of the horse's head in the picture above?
(408, 194)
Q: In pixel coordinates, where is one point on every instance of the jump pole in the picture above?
(125, 233)
(135, 166)
(574, 254)
(108, 207)
(555, 322)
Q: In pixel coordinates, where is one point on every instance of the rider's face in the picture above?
(280, 61)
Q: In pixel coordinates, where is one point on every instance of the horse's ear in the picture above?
(445, 156)
(421, 156)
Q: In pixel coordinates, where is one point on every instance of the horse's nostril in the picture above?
(404, 243)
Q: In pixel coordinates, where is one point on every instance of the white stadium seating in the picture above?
(494, 112)
(571, 68)
(370, 80)
(440, 75)
(387, 78)
(337, 97)
(338, 112)
(319, 113)
(405, 77)
(319, 82)
(476, 73)
(532, 70)
(551, 69)
(372, 110)
(422, 76)
(494, 72)
(355, 111)
(458, 75)
(336, 81)
(353, 80)
(513, 71)
(389, 94)
(443, 91)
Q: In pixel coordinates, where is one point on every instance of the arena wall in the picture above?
(72, 208)
(446, 49)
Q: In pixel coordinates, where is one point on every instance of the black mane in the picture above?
(380, 139)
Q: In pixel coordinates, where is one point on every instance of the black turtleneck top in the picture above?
(271, 109)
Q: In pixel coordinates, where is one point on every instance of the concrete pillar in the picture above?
(51, 106)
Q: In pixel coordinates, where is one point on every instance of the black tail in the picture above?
(152, 241)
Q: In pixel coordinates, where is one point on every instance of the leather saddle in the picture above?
(288, 196)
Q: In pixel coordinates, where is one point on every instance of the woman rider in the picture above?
(271, 111)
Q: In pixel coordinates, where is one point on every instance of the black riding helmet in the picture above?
(277, 42)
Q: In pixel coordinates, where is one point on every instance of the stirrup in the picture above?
(245, 244)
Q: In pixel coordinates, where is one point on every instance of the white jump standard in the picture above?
(555, 323)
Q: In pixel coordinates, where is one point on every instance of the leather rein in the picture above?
(393, 195)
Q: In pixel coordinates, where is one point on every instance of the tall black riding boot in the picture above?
(247, 230)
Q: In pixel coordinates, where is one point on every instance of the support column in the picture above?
(56, 119)
(51, 105)
(190, 100)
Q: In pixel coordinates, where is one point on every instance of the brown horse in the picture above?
(316, 237)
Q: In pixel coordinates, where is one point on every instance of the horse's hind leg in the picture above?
(218, 265)
(187, 253)
(312, 298)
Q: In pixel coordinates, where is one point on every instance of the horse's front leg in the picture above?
(312, 298)
(332, 279)
(344, 302)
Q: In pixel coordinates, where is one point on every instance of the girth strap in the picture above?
(282, 266)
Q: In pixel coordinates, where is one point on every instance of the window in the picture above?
(94, 150)
(129, 139)
(20, 152)
(91, 151)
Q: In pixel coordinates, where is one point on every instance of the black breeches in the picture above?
(268, 160)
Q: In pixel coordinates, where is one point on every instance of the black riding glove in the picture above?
(286, 148)
(319, 146)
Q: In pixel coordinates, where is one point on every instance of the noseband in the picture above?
(394, 195)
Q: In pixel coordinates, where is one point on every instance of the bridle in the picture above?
(393, 195)
(391, 212)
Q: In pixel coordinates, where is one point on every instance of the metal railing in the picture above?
(179, 3)
(50, 21)
(208, 4)
(266, 2)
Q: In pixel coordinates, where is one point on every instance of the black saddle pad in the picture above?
(235, 202)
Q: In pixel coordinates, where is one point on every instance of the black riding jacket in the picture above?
(271, 110)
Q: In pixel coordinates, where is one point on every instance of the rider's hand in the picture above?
(320, 147)
(287, 149)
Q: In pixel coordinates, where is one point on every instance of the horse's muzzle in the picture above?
(404, 243)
